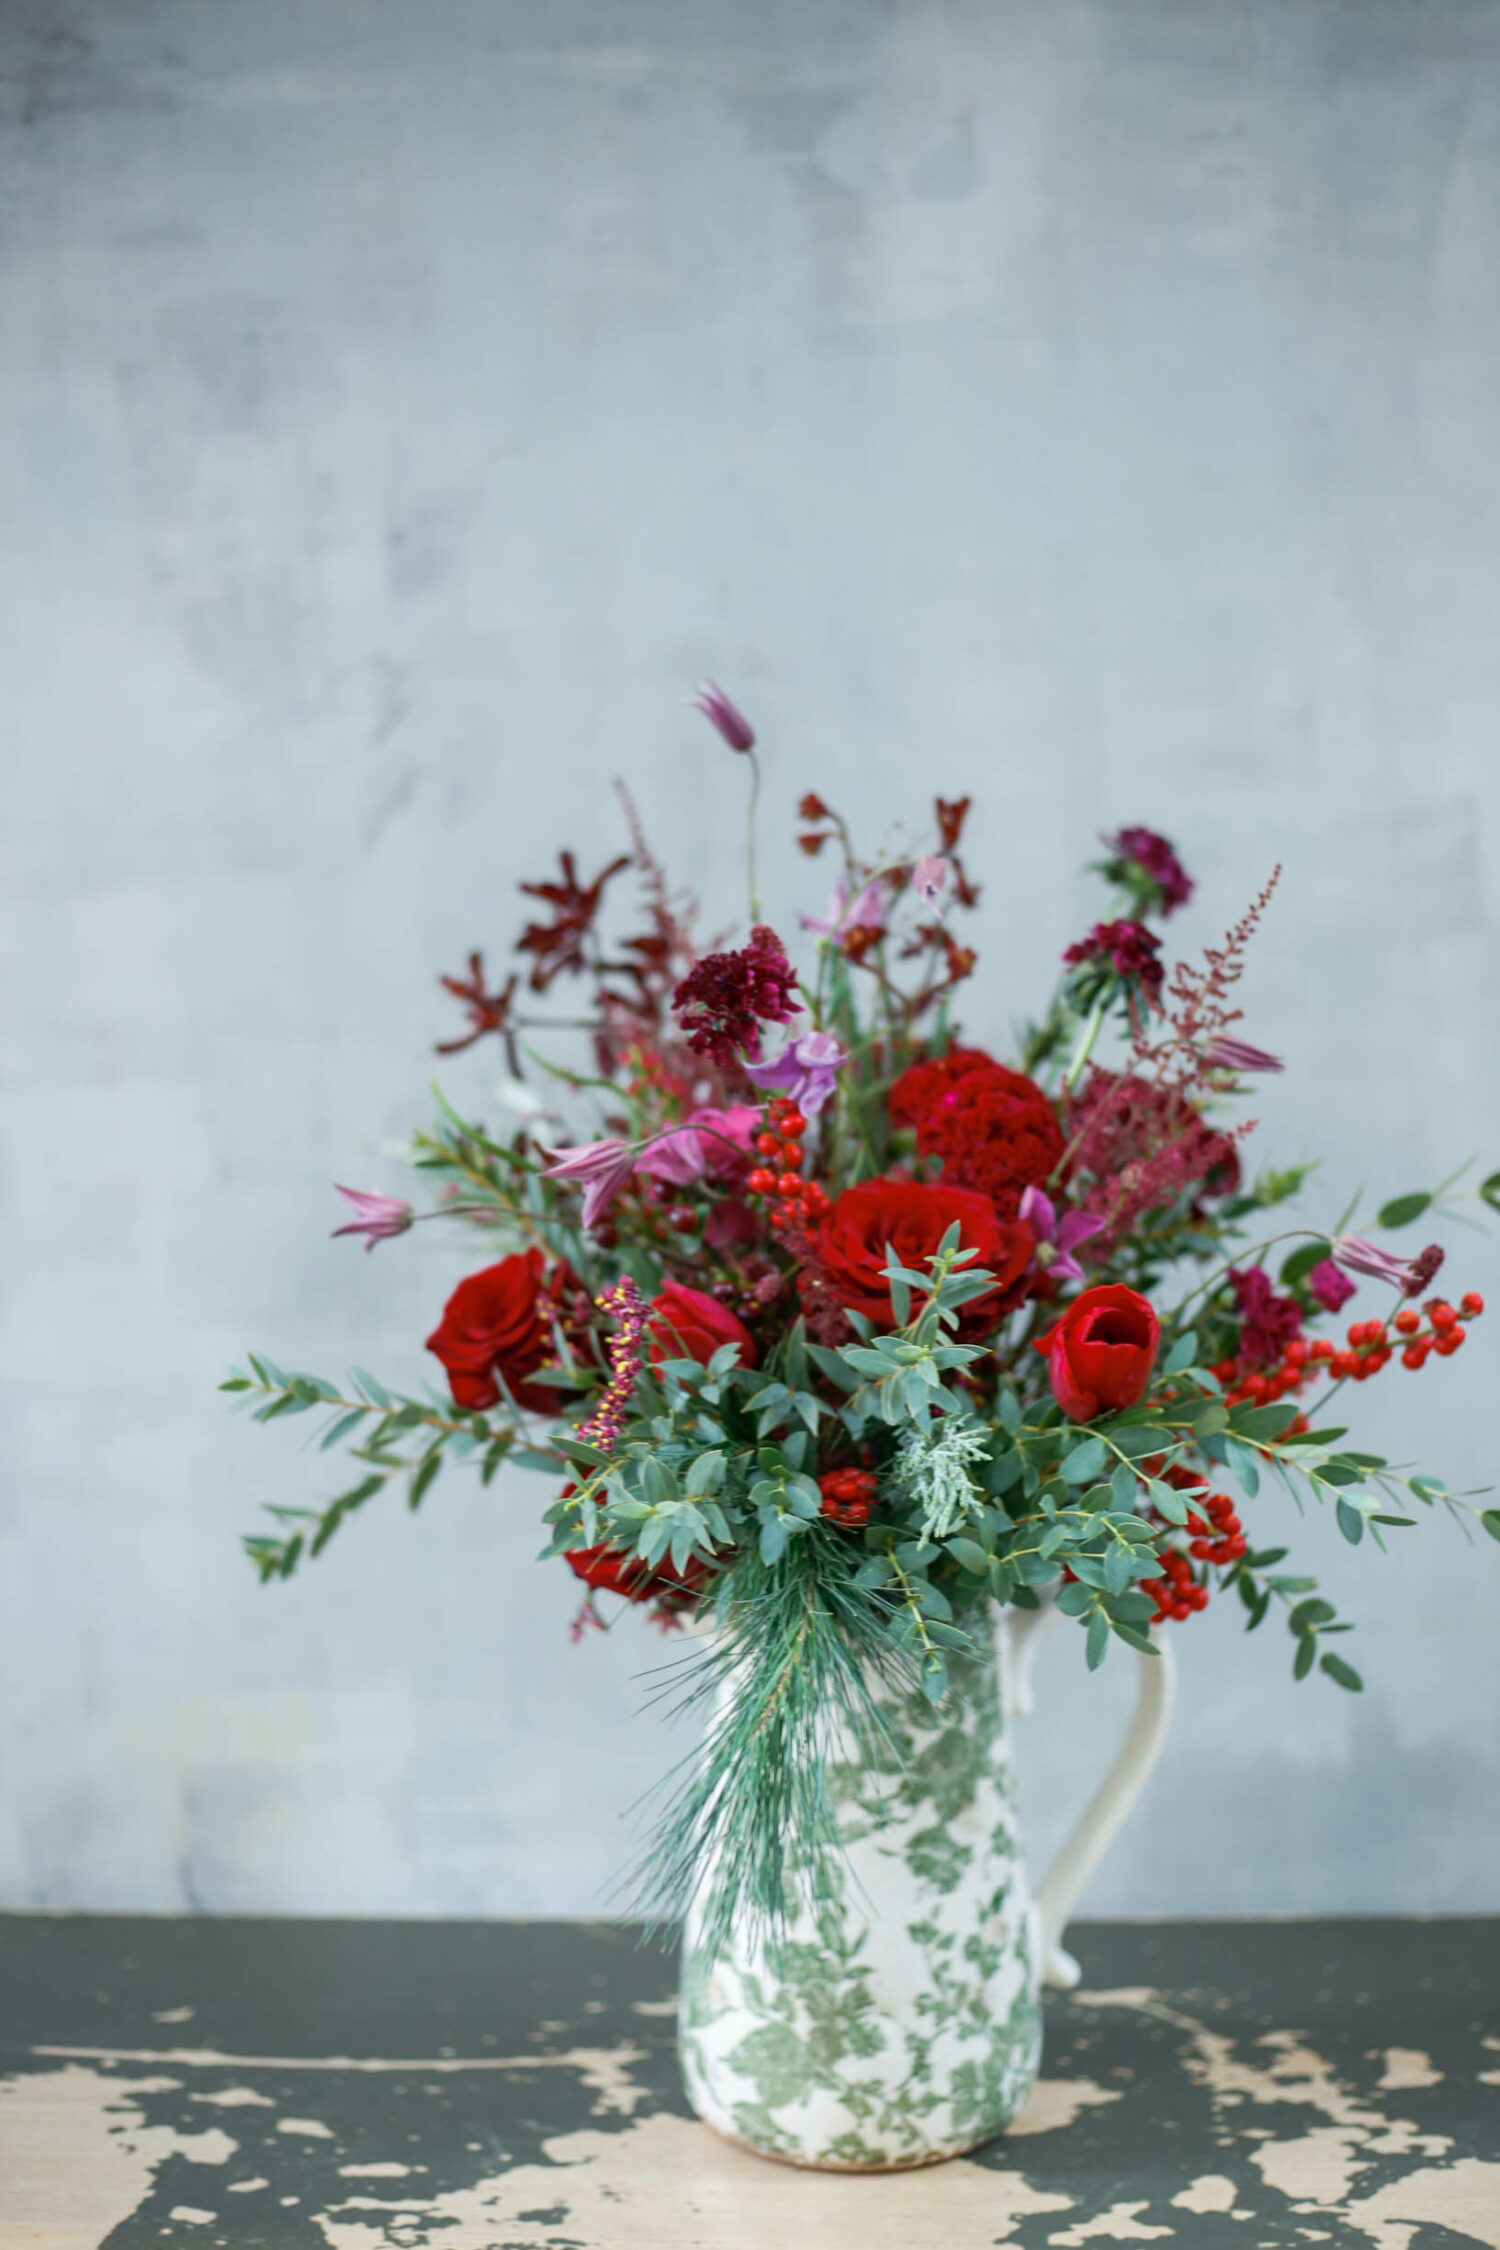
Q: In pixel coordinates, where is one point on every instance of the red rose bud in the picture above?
(1101, 1353)
(686, 1324)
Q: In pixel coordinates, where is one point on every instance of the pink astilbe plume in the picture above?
(1141, 1133)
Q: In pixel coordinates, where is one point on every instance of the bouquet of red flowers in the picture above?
(838, 1329)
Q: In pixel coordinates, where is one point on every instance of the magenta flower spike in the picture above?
(725, 716)
(1056, 1238)
(600, 1168)
(1225, 1053)
(807, 1070)
(379, 1218)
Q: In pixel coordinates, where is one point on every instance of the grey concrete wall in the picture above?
(1092, 406)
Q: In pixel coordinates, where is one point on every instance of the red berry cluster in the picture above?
(1370, 1346)
(779, 1173)
(1176, 1593)
(1214, 1536)
(1221, 1539)
(847, 1497)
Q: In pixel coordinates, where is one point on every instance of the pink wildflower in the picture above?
(601, 1168)
(377, 1217)
(720, 713)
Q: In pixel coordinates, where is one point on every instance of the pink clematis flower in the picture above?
(1225, 1053)
(377, 1217)
(929, 879)
(713, 1142)
(601, 1168)
(1409, 1275)
(1056, 1238)
(720, 713)
(868, 911)
(807, 1070)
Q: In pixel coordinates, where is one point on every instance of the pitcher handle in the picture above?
(1103, 1815)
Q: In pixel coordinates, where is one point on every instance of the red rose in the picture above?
(1101, 1353)
(498, 1323)
(996, 1133)
(918, 1090)
(609, 1571)
(912, 1219)
(686, 1324)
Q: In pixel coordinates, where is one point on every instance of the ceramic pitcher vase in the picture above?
(896, 2020)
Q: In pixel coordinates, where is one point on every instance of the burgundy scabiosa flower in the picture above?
(725, 998)
(1129, 948)
(1148, 865)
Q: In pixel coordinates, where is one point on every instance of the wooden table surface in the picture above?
(511, 2086)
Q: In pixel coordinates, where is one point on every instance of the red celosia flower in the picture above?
(996, 1132)
(1129, 948)
(726, 997)
(917, 1092)
(498, 1322)
(911, 1218)
(688, 1324)
(1100, 1354)
(1267, 1322)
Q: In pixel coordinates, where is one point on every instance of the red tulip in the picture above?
(1101, 1353)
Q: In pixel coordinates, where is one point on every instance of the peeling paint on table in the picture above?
(379, 2086)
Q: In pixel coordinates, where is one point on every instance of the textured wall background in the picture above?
(1092, 406)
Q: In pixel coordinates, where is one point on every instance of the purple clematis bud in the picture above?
(1225, 1053)
(1409, 1275)
(929, 878)
(807, 1070)
(1329, 1286)
(1056, 1238)
(724, 715)
(601, 1168)
(377, 1217)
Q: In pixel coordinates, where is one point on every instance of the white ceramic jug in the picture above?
(896, 2021)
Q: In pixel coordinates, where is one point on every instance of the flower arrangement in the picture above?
(837, 1330)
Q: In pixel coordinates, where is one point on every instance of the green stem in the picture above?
(1091, 1031)
(750, 818)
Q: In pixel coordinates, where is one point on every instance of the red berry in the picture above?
(1471, 1304)
(1447, 1344)
(1441, 1314)
(1415, 1355)
(761, 1182)
(767, 1144)
(1344, 1365)
(788, 1185)
(1199, 1597)
(792, 1120)
(1407, 1322)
